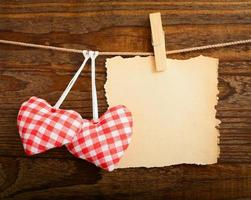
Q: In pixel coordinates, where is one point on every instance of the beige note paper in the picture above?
(173, 111)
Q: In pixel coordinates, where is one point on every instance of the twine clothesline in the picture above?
(106, 53)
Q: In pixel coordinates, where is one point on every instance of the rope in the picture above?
(211, 46)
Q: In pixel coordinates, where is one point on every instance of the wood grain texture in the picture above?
(73, 179)
(120, 26)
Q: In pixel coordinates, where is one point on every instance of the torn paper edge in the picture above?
(217, 121)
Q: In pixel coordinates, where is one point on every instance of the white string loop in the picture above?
(73, 80)
(93, 55)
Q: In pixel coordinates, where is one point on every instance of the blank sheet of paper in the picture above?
(173, 111)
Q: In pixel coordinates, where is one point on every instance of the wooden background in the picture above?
(120, 26)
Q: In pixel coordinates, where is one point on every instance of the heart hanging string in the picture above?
(93, 55)
(73, 80)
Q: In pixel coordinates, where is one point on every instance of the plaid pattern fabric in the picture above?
(42, 127)
(103, 143)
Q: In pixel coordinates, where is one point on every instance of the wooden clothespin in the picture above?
(158, 41)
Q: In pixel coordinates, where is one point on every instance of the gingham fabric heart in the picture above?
(42, 127)
(101, 141)
(104, 142)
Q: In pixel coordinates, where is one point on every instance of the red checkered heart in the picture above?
(43, 127)
(103, 143)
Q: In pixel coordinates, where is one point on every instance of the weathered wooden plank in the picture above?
(131, 38)
(43, 178)
(60, 6)
(101, 18)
